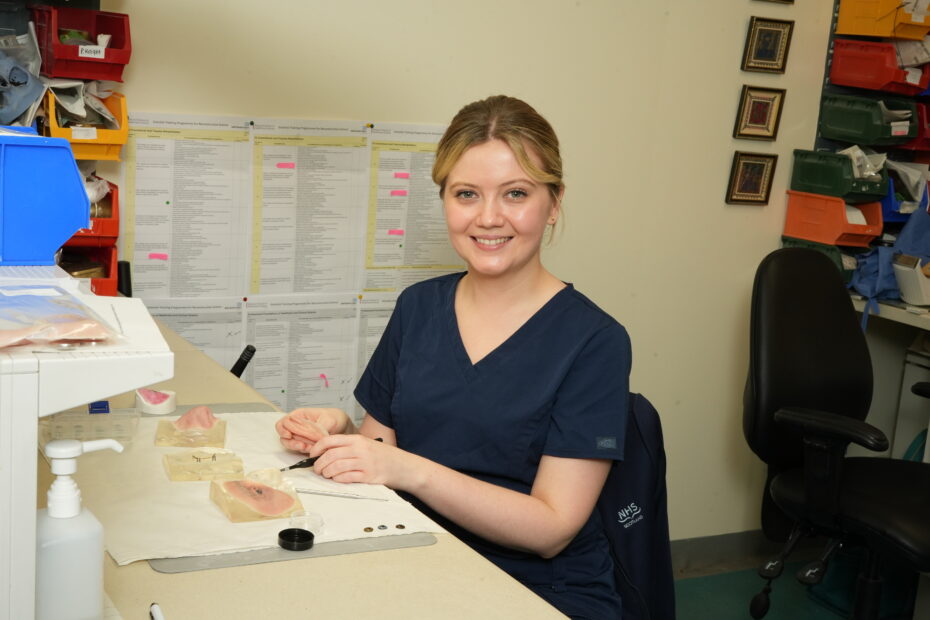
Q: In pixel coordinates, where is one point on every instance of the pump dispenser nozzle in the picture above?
(64, 496)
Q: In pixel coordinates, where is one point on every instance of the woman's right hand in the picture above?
(302, 428)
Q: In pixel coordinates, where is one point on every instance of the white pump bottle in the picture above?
(69, 541)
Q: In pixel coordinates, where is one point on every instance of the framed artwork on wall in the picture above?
(751, 178)
(759, 113)
(767, 43)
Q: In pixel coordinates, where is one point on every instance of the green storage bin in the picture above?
(831, 174)
(858, 120)
(832, 252)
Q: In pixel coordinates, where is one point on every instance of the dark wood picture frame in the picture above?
(759, 113)
(767, 44)
(751, 178)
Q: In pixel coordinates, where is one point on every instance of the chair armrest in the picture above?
(833, 426)
(921, 389)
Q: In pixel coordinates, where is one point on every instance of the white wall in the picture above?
(643, 96)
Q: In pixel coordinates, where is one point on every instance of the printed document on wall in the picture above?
(305, 349)
(407, 239)
(309, 191)
(215, 326)
(185, 198)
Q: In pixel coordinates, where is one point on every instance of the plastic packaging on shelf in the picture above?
(47, 315)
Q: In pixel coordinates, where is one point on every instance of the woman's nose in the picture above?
(491, 214)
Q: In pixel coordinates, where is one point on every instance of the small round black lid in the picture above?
(295, 539)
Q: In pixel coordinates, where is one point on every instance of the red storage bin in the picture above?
(874, 65)
(922, 141)
(105, 256)
(85, 62)
(104, 220)
(814, 217)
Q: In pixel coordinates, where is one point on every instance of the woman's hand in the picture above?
(302, 428)
(356, 458)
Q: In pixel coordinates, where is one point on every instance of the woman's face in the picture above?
(496, 213)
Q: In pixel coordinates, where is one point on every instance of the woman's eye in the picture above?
(516, 193)
(465, 193)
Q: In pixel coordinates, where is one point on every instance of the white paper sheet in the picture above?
(146, 516)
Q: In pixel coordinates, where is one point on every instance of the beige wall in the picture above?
(643, 96)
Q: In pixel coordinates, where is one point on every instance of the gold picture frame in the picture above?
(759, 113)
(751, 178)
(767, 44)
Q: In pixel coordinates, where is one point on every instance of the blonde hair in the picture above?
(508, 119)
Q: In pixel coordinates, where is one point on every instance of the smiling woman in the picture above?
(501, 393)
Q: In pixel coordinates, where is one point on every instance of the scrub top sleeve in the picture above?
(375, 390)
(589, 415)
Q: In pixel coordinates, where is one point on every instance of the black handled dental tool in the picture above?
(299, 464)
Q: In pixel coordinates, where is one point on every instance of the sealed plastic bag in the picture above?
(42, 315)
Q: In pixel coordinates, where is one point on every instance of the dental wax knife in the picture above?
(304, 463)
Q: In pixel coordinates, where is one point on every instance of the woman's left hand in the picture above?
(356, 458)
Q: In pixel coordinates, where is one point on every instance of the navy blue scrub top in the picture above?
(558, 386)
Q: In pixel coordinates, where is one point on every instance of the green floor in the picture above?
(726, 596)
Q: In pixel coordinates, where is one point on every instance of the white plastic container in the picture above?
(69, 541)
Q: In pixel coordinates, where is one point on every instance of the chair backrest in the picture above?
(634, 512)
(806, 349)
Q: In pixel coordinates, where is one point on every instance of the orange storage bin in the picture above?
(91, 142)
(879, 18)
(819, 218)
(874, 65)
(84, 62)
(104, 223)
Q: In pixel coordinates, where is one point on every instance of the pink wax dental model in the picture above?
(198, 428)
(196, 417)
(155, 402)
(265, 494)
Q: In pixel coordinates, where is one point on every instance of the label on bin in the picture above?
(90, 133)
(899, 128)
(913, 75)
(91, 51)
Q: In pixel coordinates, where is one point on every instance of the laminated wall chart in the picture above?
(295, 236)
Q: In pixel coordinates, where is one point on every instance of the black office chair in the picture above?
(808, 391)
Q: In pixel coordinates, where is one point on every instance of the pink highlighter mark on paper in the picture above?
(158, 256)
(401, 175)
(398, 192)
(286, 164)
(396, 231)
(325, 380)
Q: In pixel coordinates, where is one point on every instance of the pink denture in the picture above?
(153, 397)
(262, 498)
(197, 417)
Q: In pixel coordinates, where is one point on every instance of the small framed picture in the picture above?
(759, 113)
(767, 43)
(751, 178)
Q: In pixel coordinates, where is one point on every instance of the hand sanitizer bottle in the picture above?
(69, 541)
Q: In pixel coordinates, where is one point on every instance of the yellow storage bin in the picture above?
(879, 18)
(90, 142)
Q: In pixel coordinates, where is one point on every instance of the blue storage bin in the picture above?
(891, 206)
(42, 197)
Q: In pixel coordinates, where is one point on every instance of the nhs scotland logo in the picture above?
(629, 515)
